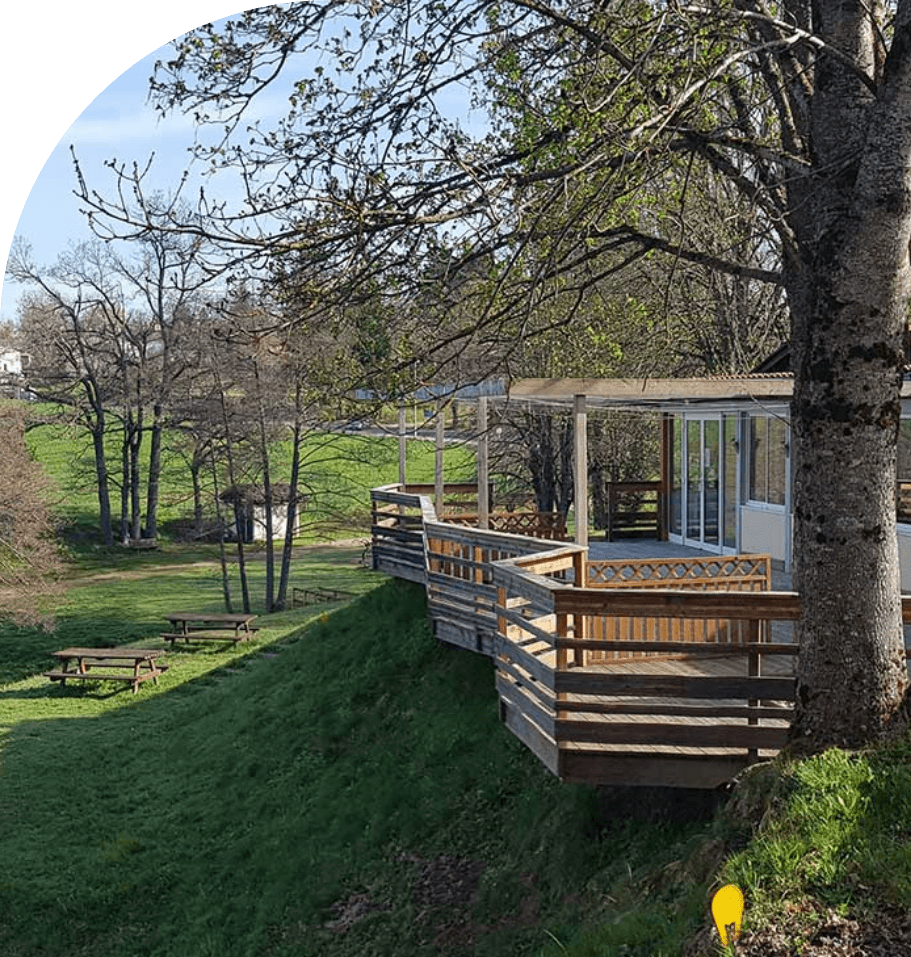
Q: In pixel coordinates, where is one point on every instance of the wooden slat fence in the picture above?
(397, 529)
(460, 593)
(708, 699)
(728, 573)
(678, 722)
(903, 500)
(458, 497)
(634, 510)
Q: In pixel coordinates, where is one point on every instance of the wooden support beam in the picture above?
(580, 467)
(403, 445)
(483, 466)
(438, 461)
(666, 477)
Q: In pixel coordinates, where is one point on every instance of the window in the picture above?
(768, 459)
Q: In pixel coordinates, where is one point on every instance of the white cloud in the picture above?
(113, 131)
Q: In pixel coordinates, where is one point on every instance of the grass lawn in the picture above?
(340, 786)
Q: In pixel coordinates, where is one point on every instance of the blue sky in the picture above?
(119, 123)
(88, 87)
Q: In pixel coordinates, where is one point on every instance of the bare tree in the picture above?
(76, 346)
(116, 327)
(29, 563)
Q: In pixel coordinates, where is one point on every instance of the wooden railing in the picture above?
(399, 515)
(634, 510)
(397, 530)
(903, 501)
(727, 573)
(613, 725)
(567, 637)
(461, 596)
(549, 526)
(458, 497)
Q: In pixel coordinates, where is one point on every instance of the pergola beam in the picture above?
(580, 469)
(483, 465)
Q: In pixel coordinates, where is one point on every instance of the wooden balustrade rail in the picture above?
(460, 594)
(397, 530)
(550, 526)
(728, 573)
(634, 510)
(702, 706)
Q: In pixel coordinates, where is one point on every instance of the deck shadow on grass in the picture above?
(658, 805)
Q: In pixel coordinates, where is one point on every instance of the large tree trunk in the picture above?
(267, 490)
(848, 299)
(152, 490)
(293, 507)
(135, 433)
(101, 475)
(98, 425)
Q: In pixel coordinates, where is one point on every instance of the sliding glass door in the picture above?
(704, 481)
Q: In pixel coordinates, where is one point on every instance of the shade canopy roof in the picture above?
(657, 394)
(654, 393)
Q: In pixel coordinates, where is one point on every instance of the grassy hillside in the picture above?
(337, 473)
(342, 786)
(342, 789)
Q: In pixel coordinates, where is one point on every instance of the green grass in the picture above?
(838, 836)
(122, 597)
(342, 786)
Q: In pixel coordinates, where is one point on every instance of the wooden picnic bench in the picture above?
(209, 626)
(133, 665)
(315, 595)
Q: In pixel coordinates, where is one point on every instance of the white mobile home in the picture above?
(725, 456)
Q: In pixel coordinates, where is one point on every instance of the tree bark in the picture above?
(848, 299)
(267, 489)
(294, 484)
(154, 483)
(97, 426)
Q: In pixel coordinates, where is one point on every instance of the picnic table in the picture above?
(134, 665)
(314, 595)
(209, 626)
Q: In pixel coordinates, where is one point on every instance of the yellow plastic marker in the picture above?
(727, 909)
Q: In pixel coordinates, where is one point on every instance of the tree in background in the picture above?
(29, 562)
(111, 332)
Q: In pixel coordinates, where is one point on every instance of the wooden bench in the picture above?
(315, 595)
(222, 634)
(107, 664)
(205, 626)
(142, 544)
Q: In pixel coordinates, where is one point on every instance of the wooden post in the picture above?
(483, 466)
(403, 446)
(754, 669)
(580, 581)
(438, 462)
(665, 478)
(580, 463)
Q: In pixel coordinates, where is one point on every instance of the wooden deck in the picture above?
(654, 738)
(637, 662)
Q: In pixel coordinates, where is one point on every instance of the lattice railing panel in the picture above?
(708, 572)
